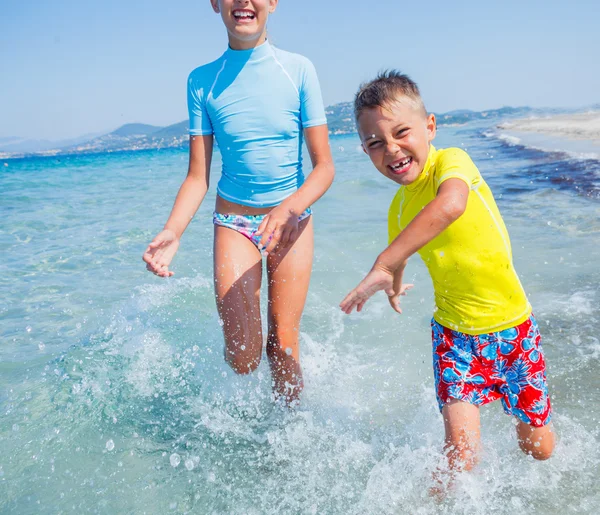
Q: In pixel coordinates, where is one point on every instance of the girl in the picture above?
(259, 102)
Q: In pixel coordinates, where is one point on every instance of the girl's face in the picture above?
(245, 20)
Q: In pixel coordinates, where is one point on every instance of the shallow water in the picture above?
(114, 396)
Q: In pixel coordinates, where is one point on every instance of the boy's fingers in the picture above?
(405, 288)
(350, 301)
(395, 303)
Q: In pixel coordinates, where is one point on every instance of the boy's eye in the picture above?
(402, 132)
(374, 144)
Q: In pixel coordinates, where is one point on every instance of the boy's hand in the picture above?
(377, 279)
(395, 299)
(279, 228)
(160, 252)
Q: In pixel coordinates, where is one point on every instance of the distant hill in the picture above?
(136, 129)
(139, 136)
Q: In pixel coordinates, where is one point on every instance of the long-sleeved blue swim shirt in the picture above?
(256, 102)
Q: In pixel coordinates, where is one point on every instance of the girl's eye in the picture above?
(402, 132)
(374, 144)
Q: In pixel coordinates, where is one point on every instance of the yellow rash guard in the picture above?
(476, 287)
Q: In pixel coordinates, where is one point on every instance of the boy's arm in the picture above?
(448, 205)
(399, 288)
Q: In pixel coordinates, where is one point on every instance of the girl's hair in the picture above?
(388, 87)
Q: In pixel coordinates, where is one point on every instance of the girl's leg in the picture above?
(461, 422)
(289, 275)
(537, 441)
(238, 274)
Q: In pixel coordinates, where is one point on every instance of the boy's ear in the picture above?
(431, 127)
(273, 6)
(215, 5)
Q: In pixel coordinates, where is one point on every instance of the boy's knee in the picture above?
(537, 442)
(541, 453)
(462, 455)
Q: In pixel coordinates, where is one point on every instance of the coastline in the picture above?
(579, 126)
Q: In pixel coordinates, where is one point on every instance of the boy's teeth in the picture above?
(401, 164)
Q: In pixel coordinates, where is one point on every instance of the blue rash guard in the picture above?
(256, 102)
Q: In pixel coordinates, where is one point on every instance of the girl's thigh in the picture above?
(237, 276)
(289, 276)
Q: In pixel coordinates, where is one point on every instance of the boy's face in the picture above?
(397, 139)
(245, 20)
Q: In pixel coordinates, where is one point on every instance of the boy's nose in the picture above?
(391, 148)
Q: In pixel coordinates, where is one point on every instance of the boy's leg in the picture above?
(237, 275)
(461, 422)
(537, 441)
(289, 276)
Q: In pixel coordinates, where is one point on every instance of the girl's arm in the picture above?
(282, 221)
(194, 187)
(163, 247)
(448, 205)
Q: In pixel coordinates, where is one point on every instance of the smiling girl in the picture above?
(259, 103)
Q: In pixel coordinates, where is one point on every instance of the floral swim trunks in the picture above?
(248, 224)
(507, 365)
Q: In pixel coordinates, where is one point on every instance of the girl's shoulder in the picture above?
(291, 58)
(207, 71)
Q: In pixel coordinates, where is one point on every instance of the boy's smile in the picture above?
(397, 138)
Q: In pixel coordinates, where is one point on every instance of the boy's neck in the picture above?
(237, 44)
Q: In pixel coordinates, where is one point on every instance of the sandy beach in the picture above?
(581, 126)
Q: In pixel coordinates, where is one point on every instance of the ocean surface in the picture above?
(114, 396)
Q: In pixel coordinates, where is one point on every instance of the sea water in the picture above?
(114, 396)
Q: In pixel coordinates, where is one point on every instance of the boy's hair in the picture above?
(386, 89)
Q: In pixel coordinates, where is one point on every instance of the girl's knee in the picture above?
(282, 344)
(240, 362)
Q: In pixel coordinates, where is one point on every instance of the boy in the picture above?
(486, 343)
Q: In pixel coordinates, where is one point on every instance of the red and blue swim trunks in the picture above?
(507, 365)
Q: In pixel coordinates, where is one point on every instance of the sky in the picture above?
(74, 67)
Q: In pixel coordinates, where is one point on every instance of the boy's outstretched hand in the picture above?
(377, 279)
(160, 252)
(395, 299)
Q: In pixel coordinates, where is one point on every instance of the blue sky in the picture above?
(72, 67)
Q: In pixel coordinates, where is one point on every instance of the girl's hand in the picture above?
(160, 252)
(395, 299)
(377, 279)
(279, 228)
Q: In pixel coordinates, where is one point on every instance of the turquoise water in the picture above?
(114, 397)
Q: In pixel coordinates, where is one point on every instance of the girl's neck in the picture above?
(237, 44)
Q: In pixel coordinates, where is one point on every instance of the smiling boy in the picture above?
(486, 342)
